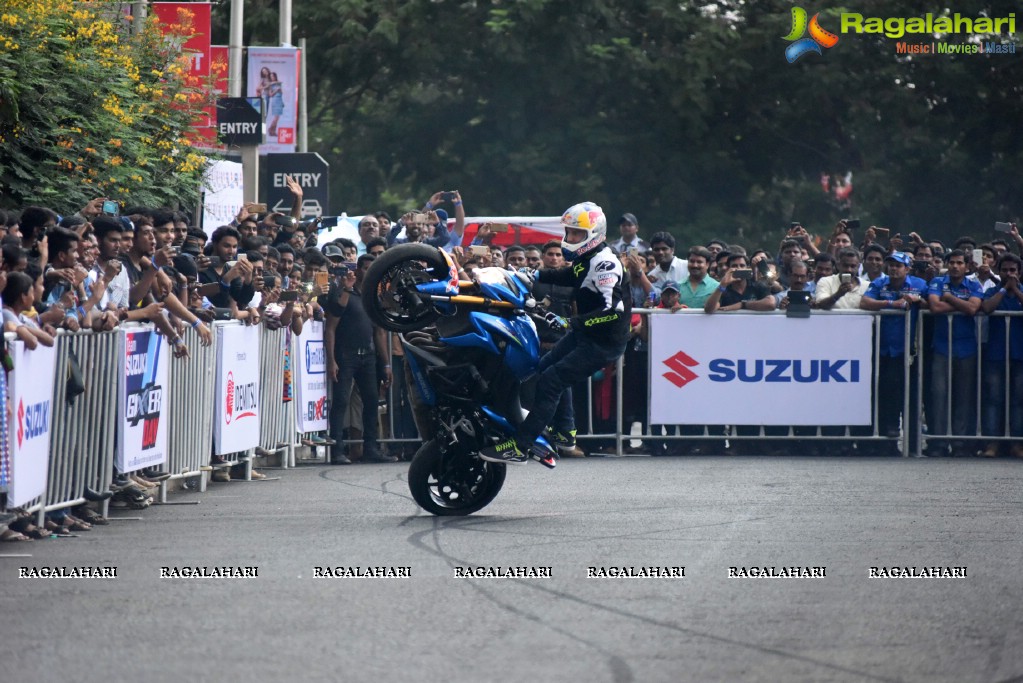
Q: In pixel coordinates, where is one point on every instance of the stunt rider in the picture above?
(597, 335)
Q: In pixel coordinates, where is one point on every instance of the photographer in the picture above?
(233, 276)
(738, 291)
(353, 356)
(843, 290)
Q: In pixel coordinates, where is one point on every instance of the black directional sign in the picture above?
(238, 123)
(312, 174)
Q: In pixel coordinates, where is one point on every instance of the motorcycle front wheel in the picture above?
(389, 288)
(456, 485)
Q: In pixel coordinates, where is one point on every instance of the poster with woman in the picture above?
(273, 88)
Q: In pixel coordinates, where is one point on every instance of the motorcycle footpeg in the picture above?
(548, 461)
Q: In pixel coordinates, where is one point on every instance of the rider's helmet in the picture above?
(589, 217)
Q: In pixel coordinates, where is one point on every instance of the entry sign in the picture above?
(310, 171)
(238, 123)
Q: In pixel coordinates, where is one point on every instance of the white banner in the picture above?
(142, 386)
(311, 365)
(273, 87)
(760, 369)
(224, 195)
(29, 420)
(236, 418)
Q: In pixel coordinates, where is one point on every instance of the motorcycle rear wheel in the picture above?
(390, 297)
(453, 486)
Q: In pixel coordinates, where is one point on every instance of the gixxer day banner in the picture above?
(142, 433)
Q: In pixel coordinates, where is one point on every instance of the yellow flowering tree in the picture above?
(91, 106)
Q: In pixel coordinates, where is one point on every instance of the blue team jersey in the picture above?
(995, 350)
(893, 336)
(964, 327)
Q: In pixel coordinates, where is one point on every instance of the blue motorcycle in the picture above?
(469, 347)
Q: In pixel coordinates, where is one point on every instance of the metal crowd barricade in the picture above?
(192, 395)
(276, 416)
(978, 431)
(82, 436)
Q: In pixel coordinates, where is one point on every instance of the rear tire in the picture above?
(468, 485)
(389, 293)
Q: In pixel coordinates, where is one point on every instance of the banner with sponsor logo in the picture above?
(760, 369)
(312, 410)
(192, 19)
(236, 419)
(29, 420)
(142, 433)
(273, 89)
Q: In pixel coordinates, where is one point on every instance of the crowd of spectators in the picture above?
(98, 268)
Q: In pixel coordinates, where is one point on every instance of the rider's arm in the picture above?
(557, 276)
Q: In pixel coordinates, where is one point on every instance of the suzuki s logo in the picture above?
(681, 375)
(32, 421)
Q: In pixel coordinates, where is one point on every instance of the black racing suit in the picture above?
(597, 336)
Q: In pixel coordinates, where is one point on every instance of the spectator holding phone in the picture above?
(738, 291)
(843, 290)
(233, 276)
(669, 268)
(628, 228)
(456, 231)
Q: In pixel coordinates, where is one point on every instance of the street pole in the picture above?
(303, 101)
(284, 30)
(250, 153)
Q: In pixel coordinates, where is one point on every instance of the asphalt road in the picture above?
(704, 514)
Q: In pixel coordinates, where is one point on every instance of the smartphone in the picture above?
(321, 278)
(479, 250)
(269, 281)
(286, 221)
(978, 256)
(175, 250)
(243, 257)
(794, 224)
(852, 224)
(209, 289)
(1003, 227)
(764, 267)
(328, 222)
(845, 278)
(288, 295)
(447, 196)
(882, 232)
(110, 208)
(257, 208)
(743, 274)
(633, 251)
(499, 227)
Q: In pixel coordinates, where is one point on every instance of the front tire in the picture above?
(456, 485)
(390, 296)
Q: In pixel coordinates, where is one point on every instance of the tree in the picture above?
(89, 108)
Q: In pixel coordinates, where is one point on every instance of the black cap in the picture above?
(628, 218)
(333, 251)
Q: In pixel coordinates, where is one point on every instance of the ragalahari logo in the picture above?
(681, 375)
(817, 39)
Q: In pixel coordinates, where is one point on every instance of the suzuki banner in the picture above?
(29, 418)
(760, 369)
(142, 430)
(236, 419)
(312, 409)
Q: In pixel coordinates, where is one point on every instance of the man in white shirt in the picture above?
(844, 289)
(669, 267)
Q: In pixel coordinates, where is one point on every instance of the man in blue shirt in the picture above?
(955, 351)
(1008, 297)
(901, 292)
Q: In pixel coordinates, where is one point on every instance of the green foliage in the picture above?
(685, 113)
(88, 108)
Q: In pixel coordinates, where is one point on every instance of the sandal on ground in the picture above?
(11, 536)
